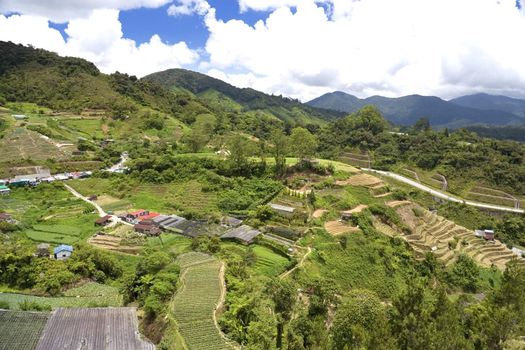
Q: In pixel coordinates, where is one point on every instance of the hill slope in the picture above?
(407, 110)
(249, 99)
(492, 102)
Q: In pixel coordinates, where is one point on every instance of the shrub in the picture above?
(4, 305)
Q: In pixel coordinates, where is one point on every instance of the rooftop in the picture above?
(244, 233)
(282, 208)
(62, 248)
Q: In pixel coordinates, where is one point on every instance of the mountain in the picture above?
(492, 102)
(247, 99)
(407, 110)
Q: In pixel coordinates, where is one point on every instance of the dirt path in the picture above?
(220, 304)
(300, 264)
(114, 219)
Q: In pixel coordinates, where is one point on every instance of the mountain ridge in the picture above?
(406, 110)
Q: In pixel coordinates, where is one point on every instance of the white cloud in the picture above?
(368, 47)
(188, 7)
(61, 11)
(99, 39)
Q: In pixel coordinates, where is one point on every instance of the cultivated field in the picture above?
(21, 330)
(22, 144)
(195, 303)
(433, 233)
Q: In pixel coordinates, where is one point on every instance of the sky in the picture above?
(296, 48)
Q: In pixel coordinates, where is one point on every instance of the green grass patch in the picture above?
(268, 262)
(91, 295)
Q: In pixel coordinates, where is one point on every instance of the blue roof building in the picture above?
(63, 251)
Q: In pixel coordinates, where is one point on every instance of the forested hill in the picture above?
(407, 110)
(248, 99)
(492, 102)
(73, 84)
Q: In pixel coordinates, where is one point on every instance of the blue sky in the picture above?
(299, 48)
(140, 24)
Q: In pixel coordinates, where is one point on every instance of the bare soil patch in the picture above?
(318, 213)
(337, 227)
(362, 179)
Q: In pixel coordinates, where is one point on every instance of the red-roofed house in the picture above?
(149, 216)
(136, 216)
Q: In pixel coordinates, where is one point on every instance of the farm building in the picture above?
(346, 215)
(168, 222)
(42, 250)
(4, 190)
(230, 221)
(282, 209)
(4, 217)
(138, 215)
(93, 328)
(147, 229)
(486, 234)
(19, 116)
(63, 251)
(103, 221)
(244, 233)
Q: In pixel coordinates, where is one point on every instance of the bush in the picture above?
(27, 305)
(4, 305)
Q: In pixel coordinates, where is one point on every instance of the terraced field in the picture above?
(195, 303)
(433, 233)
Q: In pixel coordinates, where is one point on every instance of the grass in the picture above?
(89, 295)
(166, 198)
(21, 330)
(49, 213)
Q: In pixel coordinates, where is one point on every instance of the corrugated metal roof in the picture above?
(282, 208)
(244, 233)
(63, 247)
(93, 329)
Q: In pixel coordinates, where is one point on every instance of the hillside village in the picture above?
(177, 211)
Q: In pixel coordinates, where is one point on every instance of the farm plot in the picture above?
(492, 196)
(88, 295)
(356, 159)
(22, 143)
(338, 227)
(362, 179)
(69, 233)
(21, 330)
(268, 262)
(433, 233)
(195, 303)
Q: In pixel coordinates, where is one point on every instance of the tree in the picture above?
(303, 143)
(283, 295)
(361, 323)
(280, 148)
(239, 148)
(422, 125)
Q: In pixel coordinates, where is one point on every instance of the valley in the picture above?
(200, 215)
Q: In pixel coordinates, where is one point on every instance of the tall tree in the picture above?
(303, 143)
(280, 148)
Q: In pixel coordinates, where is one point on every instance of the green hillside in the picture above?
(283, 108)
